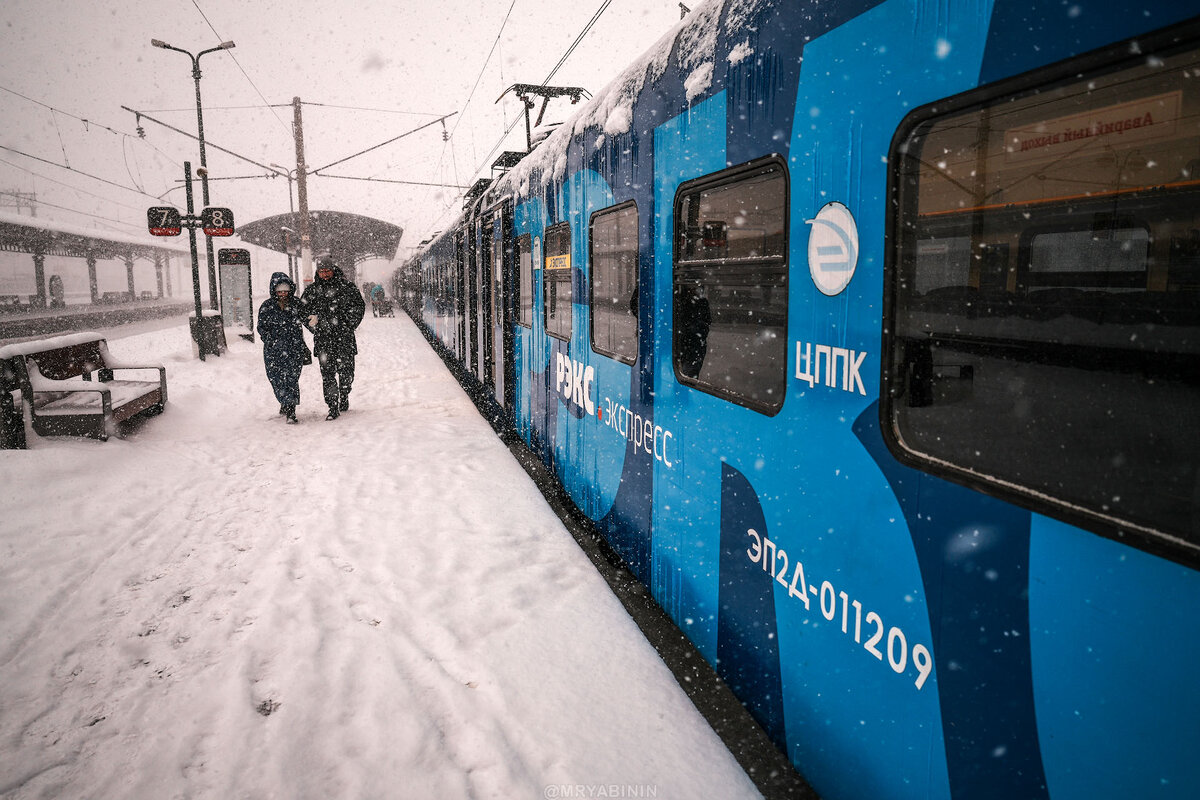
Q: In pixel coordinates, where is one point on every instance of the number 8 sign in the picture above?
(217, 221)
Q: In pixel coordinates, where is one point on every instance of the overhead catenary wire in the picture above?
(60, 111)
(72, 169)
(470, 96)
(48, 204)
(286, 127)
(550, 76)
(483, 67)
(545, 81)
(381, 144)
(586, 28)
(128, 169)
(192, 136)
(62, 145)
(89, 124)
(259, 106)
(129, 225)
(378, 110)
(392, 180)
(75, 189)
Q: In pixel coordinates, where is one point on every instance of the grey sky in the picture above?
(411, 61)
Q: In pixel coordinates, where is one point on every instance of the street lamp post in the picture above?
(285, 231)
(203, 170)
(287, 173)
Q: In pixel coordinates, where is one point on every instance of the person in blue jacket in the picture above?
(281, 328)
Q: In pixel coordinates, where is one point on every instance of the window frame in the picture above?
(637, 254)
(523, 247)
(725, 177)
(546, 279)
(902, 204)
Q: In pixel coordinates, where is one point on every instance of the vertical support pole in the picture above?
(93, 286)
(302, 194)
(158, 274)
(39, 278)
(208, 254)
(191, 210)
(528, 128)
(129, 276)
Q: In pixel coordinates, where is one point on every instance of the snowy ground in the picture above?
(222, 606)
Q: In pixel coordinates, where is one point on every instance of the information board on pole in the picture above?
(237, 299)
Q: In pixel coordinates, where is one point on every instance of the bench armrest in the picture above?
(113, 363)
(40, 383)
(116, 363)
(106, 374)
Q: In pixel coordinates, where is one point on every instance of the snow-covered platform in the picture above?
(380, 606)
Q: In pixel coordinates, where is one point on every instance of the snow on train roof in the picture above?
(611, 110)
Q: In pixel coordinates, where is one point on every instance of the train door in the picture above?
(520, 361)
(472, 304)
(501, 297)
(487, 249)
(479, 268)
(541, 345)
(511, 311)
(720, 376)
(460, 281)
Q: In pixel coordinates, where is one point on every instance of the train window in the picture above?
(1043, 299)
(525, 278)
(730, 284)
(556, 277)
(614, 263)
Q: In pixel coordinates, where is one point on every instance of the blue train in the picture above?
(868, 335)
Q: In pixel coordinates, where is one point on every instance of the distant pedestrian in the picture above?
(281, 328)
(335, 308)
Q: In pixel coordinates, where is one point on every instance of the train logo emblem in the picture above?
(832, 248)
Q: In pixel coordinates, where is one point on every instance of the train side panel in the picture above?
(900, 627)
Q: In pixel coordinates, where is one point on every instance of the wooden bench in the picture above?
(55, 378)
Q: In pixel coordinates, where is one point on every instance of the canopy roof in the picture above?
(53, 238)
(349, 238)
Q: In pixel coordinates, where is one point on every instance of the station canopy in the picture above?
(19, 234)
(349, 238)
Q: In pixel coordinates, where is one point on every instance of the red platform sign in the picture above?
(164, 221)
(217, 221)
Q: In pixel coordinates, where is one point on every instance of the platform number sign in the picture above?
(217, 221)
(164, 221)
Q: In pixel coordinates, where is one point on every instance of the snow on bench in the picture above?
(55, 377)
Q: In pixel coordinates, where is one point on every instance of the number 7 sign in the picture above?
(164, 221)
(217, 221)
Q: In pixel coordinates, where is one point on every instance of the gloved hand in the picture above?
(312, 321)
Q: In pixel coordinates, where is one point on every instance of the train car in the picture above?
(868, 335)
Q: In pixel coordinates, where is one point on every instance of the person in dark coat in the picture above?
(335, 308)
(693, 318)
(281, 328)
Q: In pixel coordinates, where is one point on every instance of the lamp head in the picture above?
(227, 45)
(160, 43)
